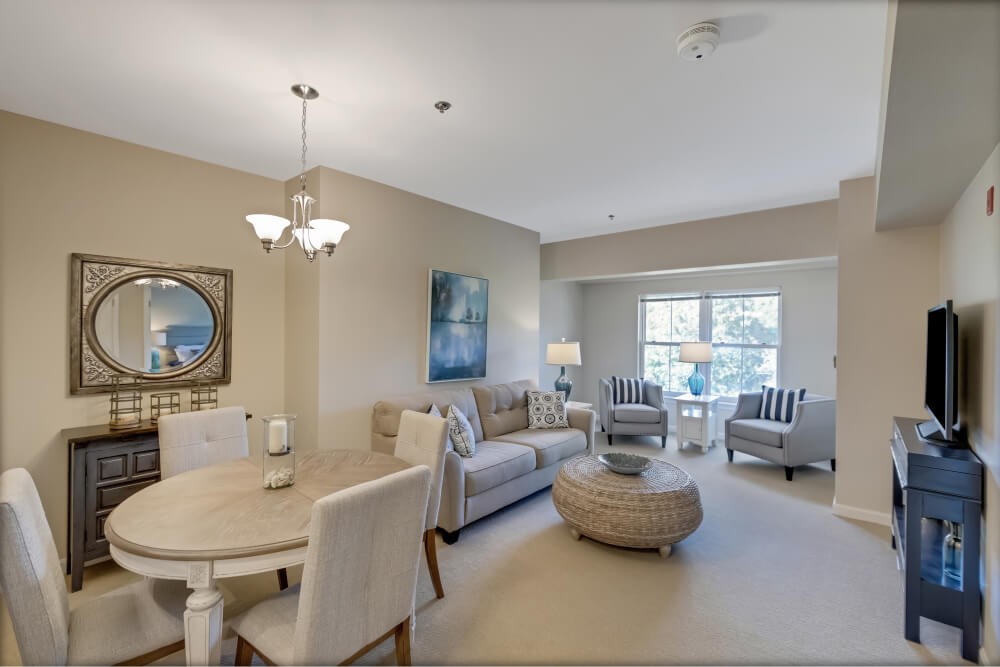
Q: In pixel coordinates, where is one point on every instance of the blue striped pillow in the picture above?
(626, 390)
(780, 404)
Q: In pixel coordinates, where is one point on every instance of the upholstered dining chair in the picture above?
(422, 440)
(359, 580)
(136, 624)
(190, 440)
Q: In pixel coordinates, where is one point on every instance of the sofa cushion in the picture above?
(636, 413)
(550, 445)
(503, 407)
(386, 414)
(495, 463)
(764, 431)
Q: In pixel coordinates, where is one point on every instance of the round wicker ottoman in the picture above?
(653, 510)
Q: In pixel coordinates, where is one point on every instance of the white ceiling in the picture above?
(564, 111)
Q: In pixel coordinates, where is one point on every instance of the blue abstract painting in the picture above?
(456, 329)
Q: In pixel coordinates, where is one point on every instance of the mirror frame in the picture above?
(94, 277)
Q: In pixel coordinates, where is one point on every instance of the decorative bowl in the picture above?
(626, 464)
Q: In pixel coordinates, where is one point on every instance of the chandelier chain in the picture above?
(302, 175)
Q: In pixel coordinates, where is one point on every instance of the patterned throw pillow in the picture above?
(626, 390)
(460, 433)
(433, 410)
(547, 409)
(780, 404)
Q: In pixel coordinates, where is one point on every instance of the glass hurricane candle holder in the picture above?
(278, 464)
(126, 401)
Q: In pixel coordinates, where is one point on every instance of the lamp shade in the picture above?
(563, 354)
(696, 353)
(328, 231)
(159, 338)
(267, 227)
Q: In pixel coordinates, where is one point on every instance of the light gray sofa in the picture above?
(649, 418)
(811, 436)
(511, 460)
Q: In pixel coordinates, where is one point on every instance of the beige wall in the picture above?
(970, 276)
(790, 233)
(809, 323)
(65, 191)
(373, 298)
(886, 282)
(561, 316)
(302, 308)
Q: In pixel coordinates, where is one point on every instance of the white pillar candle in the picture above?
(277, 436)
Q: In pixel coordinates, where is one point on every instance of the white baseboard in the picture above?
(860, 514)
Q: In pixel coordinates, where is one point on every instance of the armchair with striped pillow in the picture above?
(632, 406)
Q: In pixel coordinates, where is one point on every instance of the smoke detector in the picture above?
(698, 42)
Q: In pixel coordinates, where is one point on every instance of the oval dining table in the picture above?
(219, 521)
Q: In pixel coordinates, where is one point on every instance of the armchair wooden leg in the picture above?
(244, 652)
(789, 471)
(282, 579)
(609, 439)
(833, 465)
(729, 453)
(663, 441)
(403, 642)
(430, 548)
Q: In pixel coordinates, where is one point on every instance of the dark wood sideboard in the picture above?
(932, 484)
(106, 466)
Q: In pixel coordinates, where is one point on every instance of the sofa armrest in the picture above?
(652, 394)
(586, 421)
(747, 406)
(812, 435)
(607, 405)
(451, 515)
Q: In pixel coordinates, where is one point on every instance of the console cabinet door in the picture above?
(114, 472)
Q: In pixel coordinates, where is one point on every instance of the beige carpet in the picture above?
(770, 577)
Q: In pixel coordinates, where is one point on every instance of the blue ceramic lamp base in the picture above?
(563, 383)
(696, 383)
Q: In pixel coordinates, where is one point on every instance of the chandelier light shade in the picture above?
(313, 236)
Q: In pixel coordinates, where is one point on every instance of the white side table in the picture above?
(579, 405)
(696, 420)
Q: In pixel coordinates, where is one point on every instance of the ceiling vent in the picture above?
(698, 42)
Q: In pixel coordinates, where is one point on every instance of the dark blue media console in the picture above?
(932, 484)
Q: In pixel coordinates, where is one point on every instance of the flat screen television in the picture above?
(941, 383)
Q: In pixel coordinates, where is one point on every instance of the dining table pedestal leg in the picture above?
(203, 617)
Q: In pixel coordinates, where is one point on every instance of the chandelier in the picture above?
(314, 236)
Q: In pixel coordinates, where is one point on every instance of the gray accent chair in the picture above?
(811, 436)
(649, 418)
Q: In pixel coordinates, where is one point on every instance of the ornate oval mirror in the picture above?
(154, 324)
(168, 322)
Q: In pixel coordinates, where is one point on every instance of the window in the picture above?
(744, 327)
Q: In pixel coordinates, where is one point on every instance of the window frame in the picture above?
(705, 332)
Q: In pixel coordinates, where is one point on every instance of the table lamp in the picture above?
(696, 353)
(563, 354)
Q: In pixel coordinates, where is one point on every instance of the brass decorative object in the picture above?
(100, 287)
(164, 403)
(204, 396)
(126, 400)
